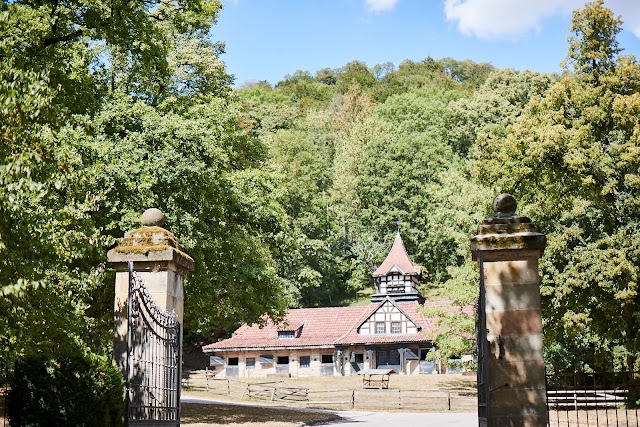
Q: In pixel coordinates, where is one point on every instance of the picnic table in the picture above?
(376, 378)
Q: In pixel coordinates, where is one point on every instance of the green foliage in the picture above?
(65, 391)
(454, 335)
(467, 71)
(420, 110)
(571, 158)
(495, 105)
(307, 92)
(409, 174)
(266, 110)
(355, 72)
(303, 156)
(444, 73)
(593, 48)
(107, 109)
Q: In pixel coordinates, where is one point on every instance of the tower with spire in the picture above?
(397, 277)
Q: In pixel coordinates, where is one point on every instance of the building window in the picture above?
(266, 359)
(232, 361)
(283, 360)
(216, 361)
(305, 361)
(286, 335)
(396, 327)
(380, 328)
(251, 362)
(327, 358)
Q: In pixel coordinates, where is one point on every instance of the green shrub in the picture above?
(78, 390)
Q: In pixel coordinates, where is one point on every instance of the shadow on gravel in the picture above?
(221, 413)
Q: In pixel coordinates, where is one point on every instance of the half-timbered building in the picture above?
(390, 332)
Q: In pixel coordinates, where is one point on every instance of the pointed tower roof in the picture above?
(397, 261)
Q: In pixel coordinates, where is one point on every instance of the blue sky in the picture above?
(268, 39)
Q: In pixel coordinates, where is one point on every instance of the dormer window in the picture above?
(286, 335)
(289, 331)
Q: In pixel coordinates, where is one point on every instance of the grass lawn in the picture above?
(450, 382)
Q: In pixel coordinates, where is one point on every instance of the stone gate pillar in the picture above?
(159, 261)
(508, 248)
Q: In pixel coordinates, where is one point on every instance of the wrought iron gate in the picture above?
(153, 359)
(482, 349)
(594, 399)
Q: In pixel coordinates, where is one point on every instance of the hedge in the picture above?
(77, 390)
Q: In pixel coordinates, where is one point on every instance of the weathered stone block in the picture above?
(516, 348)
(508, 254)
(517, 402)
(520, 271)
(516, 322)
(504, 297)
(528, 374)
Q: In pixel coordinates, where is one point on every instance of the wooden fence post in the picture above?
(246, 388)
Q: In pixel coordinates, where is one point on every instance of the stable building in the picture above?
(389, 333)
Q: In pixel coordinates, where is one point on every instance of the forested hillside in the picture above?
(429, 143)
(364, 152)
(289, 195)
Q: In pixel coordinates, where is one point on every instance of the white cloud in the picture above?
(496, 19)
(629, 12)
(499, 19)
(381, 5)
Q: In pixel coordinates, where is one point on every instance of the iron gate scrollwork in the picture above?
(153, 359)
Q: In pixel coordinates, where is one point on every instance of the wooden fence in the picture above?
(275, 391)
(419, 400)
(348, 398)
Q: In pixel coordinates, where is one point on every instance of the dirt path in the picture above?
(197, 411)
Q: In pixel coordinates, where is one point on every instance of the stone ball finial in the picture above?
(504, 205)
(152, 218)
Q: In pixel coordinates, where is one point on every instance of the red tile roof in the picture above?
(328, 327)
(397, 257)
(322, 327)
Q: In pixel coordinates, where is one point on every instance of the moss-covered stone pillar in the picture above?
(508, 248)
(159, 261)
